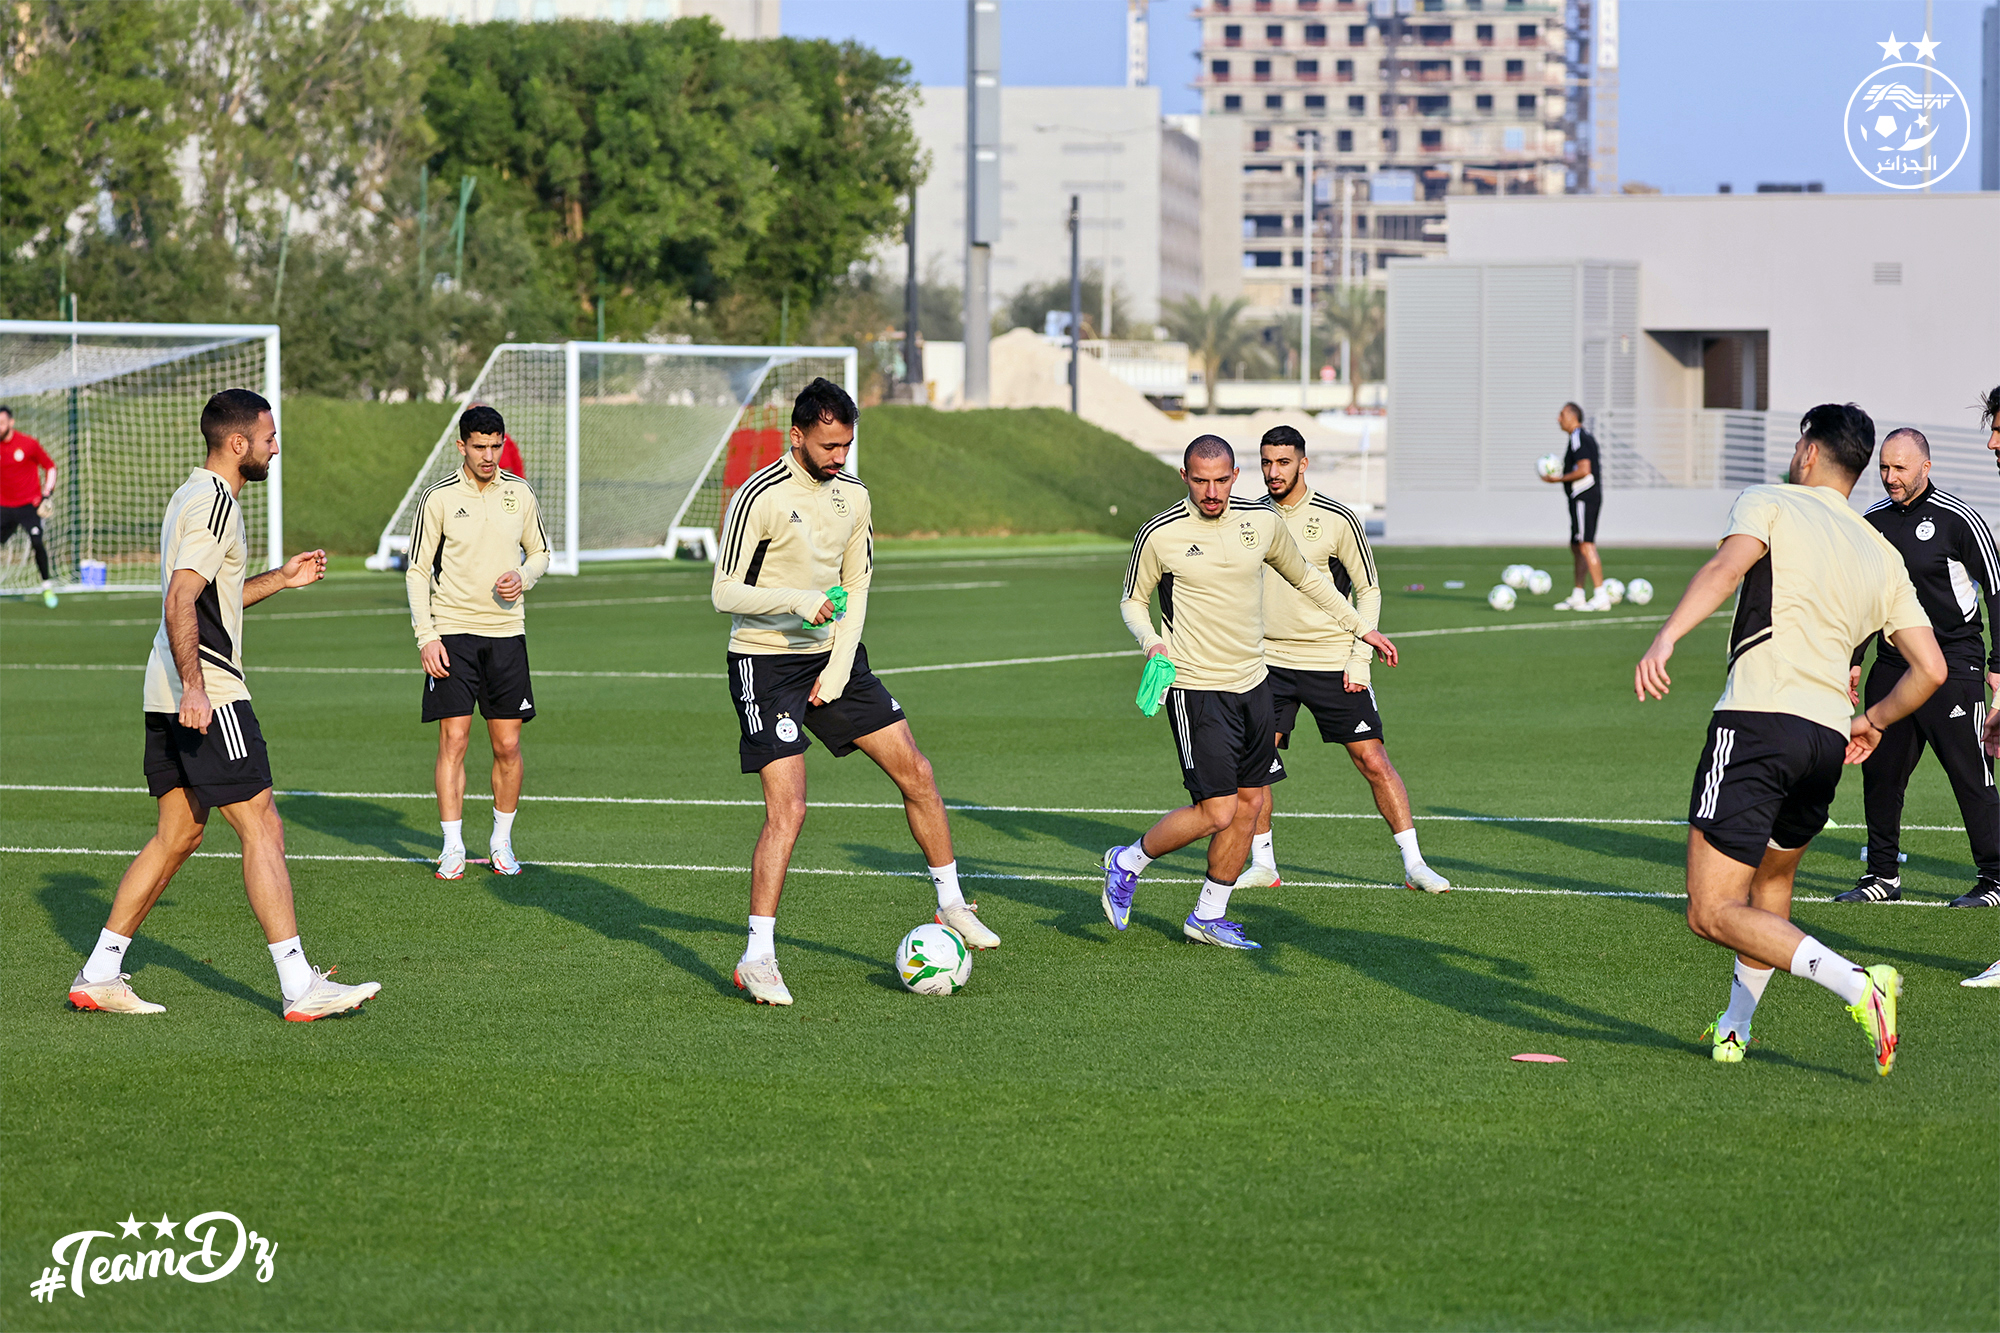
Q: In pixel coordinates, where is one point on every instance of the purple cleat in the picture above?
(1119, 886)
(1228, 934)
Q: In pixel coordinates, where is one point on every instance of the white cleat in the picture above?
(110, 997)
(501, 859)
(1259, 877)
(964, 918)
(327, 997)
(1424, 879)
(451, 863)
(1601, 602)
(760, 977)
(1576, 601)
(1990, 977)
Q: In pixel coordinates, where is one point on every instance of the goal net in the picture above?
(633, 448)
(117, 408)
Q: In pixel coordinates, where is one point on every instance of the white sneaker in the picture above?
(964, 918)
(1574, 602)
(1425, 879)
(326, 997)
(113, 996)
(1259, 877)
(760, 977)
(451, 863)
(500, 857)
(1990, 977)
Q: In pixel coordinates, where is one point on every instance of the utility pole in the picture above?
(1075, 304)
(982, 189)
(1306, 282)
(913, 369)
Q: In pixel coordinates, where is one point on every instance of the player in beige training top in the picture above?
(1317, 664)
(204, 750)
(477, 547)
(1206, 556)
(1815, 580)
(797, 547)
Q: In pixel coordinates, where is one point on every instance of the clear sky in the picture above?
(1711, 90)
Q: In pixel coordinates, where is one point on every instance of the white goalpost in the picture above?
(633, 448)
(118, 408)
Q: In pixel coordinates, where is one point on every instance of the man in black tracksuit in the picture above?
(1950, 554)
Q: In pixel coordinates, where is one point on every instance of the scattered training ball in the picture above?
(1639, 592)
(1614, 591)
(1516, 576)
(933, 960)
(1501, 598)
(1539, 581)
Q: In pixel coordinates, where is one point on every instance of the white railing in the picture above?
(1156, 368)
(1681, 448)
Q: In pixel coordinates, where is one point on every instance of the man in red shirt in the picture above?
(23, 492)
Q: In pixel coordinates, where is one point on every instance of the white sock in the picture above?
(1815, 962)
(295, 974)
(1407, 842)
(107, 960)
(503, 826)
(1744, 992)
(454, 834)
(1214, 900)
(945, 877)
(762, 943)
(1262, 853)
(1133, 858)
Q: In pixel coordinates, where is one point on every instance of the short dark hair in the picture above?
(1990, 408)
(1207, 446)
(1843, 433)
(231, 412)
(1283, 437)
(823, 400)
(10, 411)
(1572, 407)
(1912, 434)
(480, 420)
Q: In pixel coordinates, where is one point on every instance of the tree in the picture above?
(1028, 308)
(1359, 315)
(1215, 332)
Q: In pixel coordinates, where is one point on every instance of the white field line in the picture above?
(967, 807)
(886, 874)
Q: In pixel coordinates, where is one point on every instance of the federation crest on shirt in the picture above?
(1312, 528)
(1926, 530)
(1247, 533)
(510, 502)
(840, 504)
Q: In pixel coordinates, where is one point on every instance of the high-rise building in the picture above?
(745, 20)
(1407, 102)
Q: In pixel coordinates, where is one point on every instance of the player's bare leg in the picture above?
(1392, 801)
(267, 880)
(784, 783)
(894, 750)
(505, 735)
(454, 739)
(175, 839)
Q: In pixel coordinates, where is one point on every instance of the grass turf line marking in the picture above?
(967, 807)
(892, 874)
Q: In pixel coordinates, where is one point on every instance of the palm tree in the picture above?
(1359, 315)
(1214, 331)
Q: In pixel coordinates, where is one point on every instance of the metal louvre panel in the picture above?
(1531, 358)
(1434, 378)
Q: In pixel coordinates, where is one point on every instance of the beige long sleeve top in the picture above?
(465, 538)
(1297, 634)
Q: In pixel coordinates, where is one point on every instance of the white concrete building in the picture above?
(1693, 330)
(745, 20)
(1108, 146)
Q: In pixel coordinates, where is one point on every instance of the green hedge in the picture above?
(1002, 470)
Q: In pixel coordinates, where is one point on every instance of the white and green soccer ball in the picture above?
(1501, 598)
(1516, 576)
(1639, 592)
(1539, 581)
(933, 960)
(1614, 591)
(1549, 465)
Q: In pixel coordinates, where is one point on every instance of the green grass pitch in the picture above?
(560, 1114)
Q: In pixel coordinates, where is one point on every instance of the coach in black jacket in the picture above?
(1950, 554)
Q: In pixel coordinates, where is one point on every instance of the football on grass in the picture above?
(933, 960)
(1639, 592)
(1501, 598)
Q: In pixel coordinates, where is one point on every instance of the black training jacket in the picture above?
(1949, 552)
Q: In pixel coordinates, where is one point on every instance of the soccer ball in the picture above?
(1639, 592)
(1515, 576)
(1549, 465)
(1501, 598)
(1539, 581)
(1614, 591)
(933, 960)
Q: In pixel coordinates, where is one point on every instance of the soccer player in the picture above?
(797, 545)
(1816, 580)
(204, 750)
(1315, 663)
(1948, 551)
(477, 547)
(27, 479)
(1583, 492)
(1206, 556)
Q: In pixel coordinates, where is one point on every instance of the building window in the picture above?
(1315, 34)
(1357, 104)
(1274, 101)
(1274, 34)
(1389, 141)
(1308, 69)
(1357, 34)
(1433, 6)
(1434, 71)
(1232, 102)
(1263, 259)
(1484, 34)
(1232, 35)
(1343, 71)
(1524, 106)
(1475, 69)
(1528, 35)
(1343, 141)
(1298, 259)
(1438, 104)
(1315, 101)
(1219, 69)
(1517, 70)
(1434, 34)
(1261, 71)
(1483, 104)
(1433, 141)
(1260, 141)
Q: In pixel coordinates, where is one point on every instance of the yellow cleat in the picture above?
(1877, 1013)
(1729, 1044)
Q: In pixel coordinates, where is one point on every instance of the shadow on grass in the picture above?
(77, 906)
(362, 824)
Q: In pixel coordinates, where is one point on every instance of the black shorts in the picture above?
(771, 693)
(1343, 717)
(493, 672)
(1583, 514)
(1226, 740)
(227, 765)
(1765, 779)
